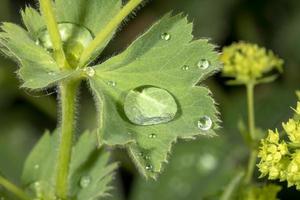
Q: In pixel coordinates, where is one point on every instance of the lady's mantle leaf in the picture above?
(90, 173)
(164, 57)
(38, 69)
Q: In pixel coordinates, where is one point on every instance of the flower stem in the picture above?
(106, 32)
(13, 189)
(252, 132)
(68, 92)
(52, 26)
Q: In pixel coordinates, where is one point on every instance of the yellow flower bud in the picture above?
(248, 62)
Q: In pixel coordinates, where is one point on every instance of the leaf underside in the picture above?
(87, 161)
(167, 64)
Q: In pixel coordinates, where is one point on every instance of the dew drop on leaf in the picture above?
(90, 71)
(203, 64)
(165, 36)
(152, 136)
(85, 181)
(112, 83)
(75, 39)
(51, 73)
(205, 123)
(185, 68)
(150, 106)
(149, 167)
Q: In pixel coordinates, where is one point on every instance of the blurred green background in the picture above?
(196, 168)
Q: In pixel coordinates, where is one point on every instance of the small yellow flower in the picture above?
(248, 62)
(292, 128)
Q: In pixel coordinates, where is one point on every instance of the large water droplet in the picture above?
(205, 123)
(165, 36)
(150, 106)
(75, 39)
(85, 181)
(90, 71)
(203, 64)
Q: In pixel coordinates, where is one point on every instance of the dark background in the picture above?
(197, 168)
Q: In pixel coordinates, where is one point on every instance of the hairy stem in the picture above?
(68, 92)
(48, 14)
(103, 35)
(252, 132)
(13, 189)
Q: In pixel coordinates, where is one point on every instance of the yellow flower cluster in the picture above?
(280, 159)
(248, 62)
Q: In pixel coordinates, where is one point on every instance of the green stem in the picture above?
(52, 26)
(106, 32)
(252, 132)
(13, 189)
(232, 187)
(68, 92)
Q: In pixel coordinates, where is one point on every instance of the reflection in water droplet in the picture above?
(75, 39)
(203, 64)
(150, 106)
(90, 71)
(85, 181)
(205, 123)
(207, 162)
(165, 36)
(112, 83)
(152, 136)
(185, 68)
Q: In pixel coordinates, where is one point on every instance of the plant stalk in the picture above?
(68, 93)
(106, 32)
(52, 26)
(13, 189)
(252, 132)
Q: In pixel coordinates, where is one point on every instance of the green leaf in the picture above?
(196, 169)
(37, 68)
(164, 57)
(39, 164)
(87, 162)
(33, 21)
(90, 173)
(92, 14)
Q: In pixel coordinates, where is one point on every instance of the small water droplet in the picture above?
(112, 83)
(36, 166)
(51, 73)
(185, 68)
(165, 36)
(203, 64)
(150, 106)
(152, 136)
(205, 123)
(85, 181)
(149, 167)
(90, 71)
